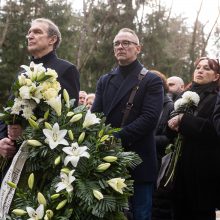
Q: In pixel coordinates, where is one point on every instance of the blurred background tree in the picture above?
(169, 44)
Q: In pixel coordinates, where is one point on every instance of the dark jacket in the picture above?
(197, 180)
(68, 75)
(161, 138)
(161, 208)
(112, 93)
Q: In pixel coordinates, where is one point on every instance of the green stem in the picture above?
(172, 166)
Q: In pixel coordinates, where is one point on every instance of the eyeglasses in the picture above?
(124, 43)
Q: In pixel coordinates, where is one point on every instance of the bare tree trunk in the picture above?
(209, 34)
(193, 43)
(6, 25)
(87, 16)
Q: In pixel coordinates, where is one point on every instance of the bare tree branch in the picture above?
(6, 25)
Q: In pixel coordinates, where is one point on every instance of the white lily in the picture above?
(56, 104)
(66, 180)
(35, 214)
(33, 70)
(117, 184)
(55, 136)
(74, 153)
(52, 73)
(90, 119)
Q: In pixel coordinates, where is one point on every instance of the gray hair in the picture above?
(52, 30)
(128, 30)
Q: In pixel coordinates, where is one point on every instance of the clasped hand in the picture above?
(174, 122)
(7, 144)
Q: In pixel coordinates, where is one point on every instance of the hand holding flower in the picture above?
(7, 148)
(174, 122)
(14, 131)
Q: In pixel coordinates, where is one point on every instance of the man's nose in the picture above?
(28, 36)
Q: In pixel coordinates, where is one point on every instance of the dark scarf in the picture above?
(204, 90)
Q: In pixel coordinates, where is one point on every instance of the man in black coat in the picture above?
(43, 39)
(137, 133)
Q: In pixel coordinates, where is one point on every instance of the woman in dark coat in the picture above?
(196, 185)
(161, 209)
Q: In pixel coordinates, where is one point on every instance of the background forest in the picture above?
(170, 45)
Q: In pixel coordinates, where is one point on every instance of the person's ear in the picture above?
(53, 40)
(138, 47)
(216, 77)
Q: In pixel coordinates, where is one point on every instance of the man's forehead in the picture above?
(125, 36)
(38, 25)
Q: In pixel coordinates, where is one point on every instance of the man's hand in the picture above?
(7, 148)
(14, 131)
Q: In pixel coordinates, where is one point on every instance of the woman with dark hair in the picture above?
(196, 184)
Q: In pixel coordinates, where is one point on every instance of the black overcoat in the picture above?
(112, 94)
(198, 173)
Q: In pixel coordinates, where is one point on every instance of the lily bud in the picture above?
(47, 125)
(98, 195)
(46, 114)
(57, 160)
(70, 133)
(41, 199)
(33, 117)
(81, 137)
(31, 181)
(12, 185)
(76, 118)
(110, 158)
(49, 214)
(61, 204)
(66, 98)
(40, 76)
(33, 123)
(105, 137)
(101, 132)
(19, 212)
(103, 166)
(70, 114)
(65, 170)
(55, 196)
(34, 143)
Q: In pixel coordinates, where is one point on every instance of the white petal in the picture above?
(68, 150)
(30, 211)
(60, 186)
(67, 160)
(64, 142)
(53, 144)
(74, 160)
(69, 188)
(40, 211)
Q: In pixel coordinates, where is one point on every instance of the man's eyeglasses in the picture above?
(124, 44)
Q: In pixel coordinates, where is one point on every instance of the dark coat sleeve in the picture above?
(195, 127)
(216, 115)
(70, 81)
(162, 140)
(147, 120)
(3, 130)
(98, 105)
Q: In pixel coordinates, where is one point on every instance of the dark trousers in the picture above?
(141, 202)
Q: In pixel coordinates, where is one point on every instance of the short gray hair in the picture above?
(52, 30)
(128, 30)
